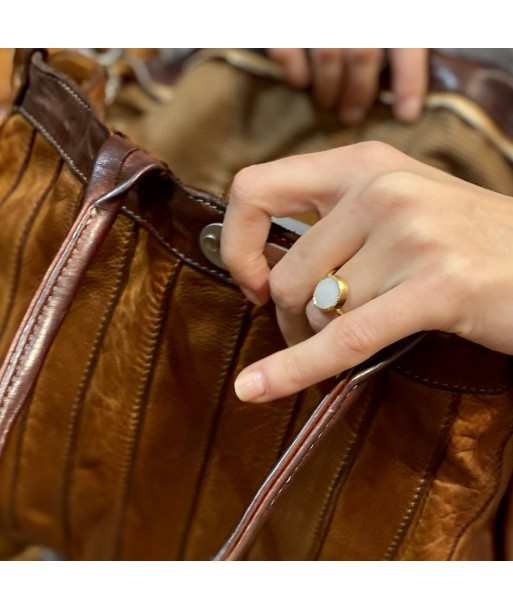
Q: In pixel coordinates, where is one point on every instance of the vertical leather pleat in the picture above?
(19, 247)
(106, 433)
(391, 464)
(17, 214)
(36, 245)
(237, 463)
(200, 335)
(302, 512)
(454, 522)
(16, 147)
(140, 404)
(45, 437)
(102, 318)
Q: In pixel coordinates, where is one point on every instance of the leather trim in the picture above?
(489, 87)
(54, 107)
(324, 417)
(44, 316)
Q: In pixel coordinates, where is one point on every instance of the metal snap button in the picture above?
(210, 243)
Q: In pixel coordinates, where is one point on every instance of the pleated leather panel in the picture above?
(36, 212)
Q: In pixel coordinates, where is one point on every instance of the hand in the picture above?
(419, 249)
(347, 79)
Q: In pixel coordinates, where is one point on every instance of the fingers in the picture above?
(360, 84)
(303, 183)
(347, 79)
(326, 246)
(327, 75)
(342, 344)
(294, 63)
(409, 81)
(283, 188)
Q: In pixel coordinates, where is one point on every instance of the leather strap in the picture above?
(325, 416)
(52, 300)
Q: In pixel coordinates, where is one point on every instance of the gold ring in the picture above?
(330, 293)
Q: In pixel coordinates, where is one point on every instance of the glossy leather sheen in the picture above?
(131, 443)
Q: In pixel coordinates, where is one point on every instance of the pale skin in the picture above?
(346, 80)
(419, 249)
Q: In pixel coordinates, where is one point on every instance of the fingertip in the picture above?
(250, 386)
(352, 115)
(408, 109)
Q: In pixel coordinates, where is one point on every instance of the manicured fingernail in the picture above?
(409, 109)
(249, 386)
(352, 115)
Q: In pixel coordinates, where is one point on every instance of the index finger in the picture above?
(345, 342)
(310, 182)
(409, 81)
(281, 188)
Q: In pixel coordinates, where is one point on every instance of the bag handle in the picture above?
(325, 416)
(46, 312)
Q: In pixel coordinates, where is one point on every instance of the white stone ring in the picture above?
(330, 293)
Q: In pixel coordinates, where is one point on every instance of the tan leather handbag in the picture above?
(121, 333)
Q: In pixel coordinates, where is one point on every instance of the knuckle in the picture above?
(328, 55)
(244, 184)
(282, 289)
(353, 339)
(363, 56)
(391, 192)
(294, 369)
(285, 54)
(375, 153)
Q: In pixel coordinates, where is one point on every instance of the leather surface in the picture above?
(141, 448)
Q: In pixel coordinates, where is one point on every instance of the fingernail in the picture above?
(249, 386)
(409, 109)
(352, 115)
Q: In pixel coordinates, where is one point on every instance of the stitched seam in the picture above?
(65, 86)
(340, 478)
(314, 442)
(54, 142)
(23, 167)
(78, 402)
(426, 478)
(218, 393)
(498, 474)
(28, 343)
(220, 208)
(145, 224)
(20, 246)
(448, 386)
(241, 532)
(136, 418)
(9, 516)
(11, 521)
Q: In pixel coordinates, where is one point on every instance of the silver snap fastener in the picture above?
(210, 243)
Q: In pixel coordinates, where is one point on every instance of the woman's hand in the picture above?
(347, 80)
(419, 249)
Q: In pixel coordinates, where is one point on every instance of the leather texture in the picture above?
(141, 448)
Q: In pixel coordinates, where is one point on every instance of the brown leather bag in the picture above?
(120, 433)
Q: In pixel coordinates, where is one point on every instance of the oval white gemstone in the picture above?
(326, 293)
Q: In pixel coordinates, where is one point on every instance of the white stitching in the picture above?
(53, 141)
(154, 231)
(65, 86)
(30, 339)
(314, 442)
